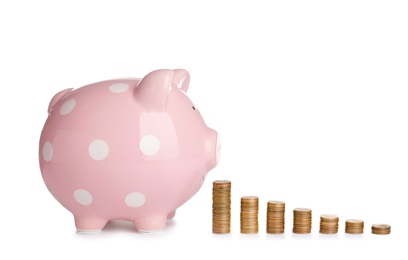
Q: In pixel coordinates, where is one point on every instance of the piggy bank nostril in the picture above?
(218, 149)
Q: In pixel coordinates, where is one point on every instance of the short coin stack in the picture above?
(249, 214)
(275, 217)
(329, 224)
(221, 220)
(381, 229)
(302, 220)
(354, 226)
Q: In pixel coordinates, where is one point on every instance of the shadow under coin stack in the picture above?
(329, 224)
(354, 226)
(221, 220)
(275, 217)
(249, 214)
(302, 221)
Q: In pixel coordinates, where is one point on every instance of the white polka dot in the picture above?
(118, 87)
(149, 145)
(83, 197)
(47, 151)
(98, 150)
(135, 199)
(67, 107)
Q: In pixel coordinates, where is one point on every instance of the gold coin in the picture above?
(221, 207)
(355, 221)
(329, 217)
(222, 182)
(329, 224)
(381, 229)
(249, 214)
(354, 226)
(276, 204)
(302, 220)
(302, 210)
(275, 217)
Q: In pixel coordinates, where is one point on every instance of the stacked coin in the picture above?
(221, 219)
(249, 214)
(381, 229)
(354, 226)
(275, 217)
(302, 220)
(329, 224)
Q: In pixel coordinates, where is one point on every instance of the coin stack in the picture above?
(302, 220)
(381, 229)
(221, 219)
(329, 224)
(249, 214)
(275, 217)
(354, 226)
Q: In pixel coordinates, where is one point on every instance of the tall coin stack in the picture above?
(275, 217)
(381, 229)
(249, 214)
(221, 219)
(329, 224)
(354, 226)
(302, 220)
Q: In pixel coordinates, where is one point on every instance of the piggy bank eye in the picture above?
(193, 108)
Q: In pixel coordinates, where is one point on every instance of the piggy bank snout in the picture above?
(213, 148)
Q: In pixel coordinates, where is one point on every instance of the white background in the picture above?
(309, 98)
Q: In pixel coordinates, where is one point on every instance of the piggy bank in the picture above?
(130, 149)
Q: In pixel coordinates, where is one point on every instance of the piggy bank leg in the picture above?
(87, 225)
(151, 224)
(171, 215)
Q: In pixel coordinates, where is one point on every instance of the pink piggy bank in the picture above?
(130, 149)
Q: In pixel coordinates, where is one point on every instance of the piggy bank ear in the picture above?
(181, 79)
(57, 97)
(153, 89)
